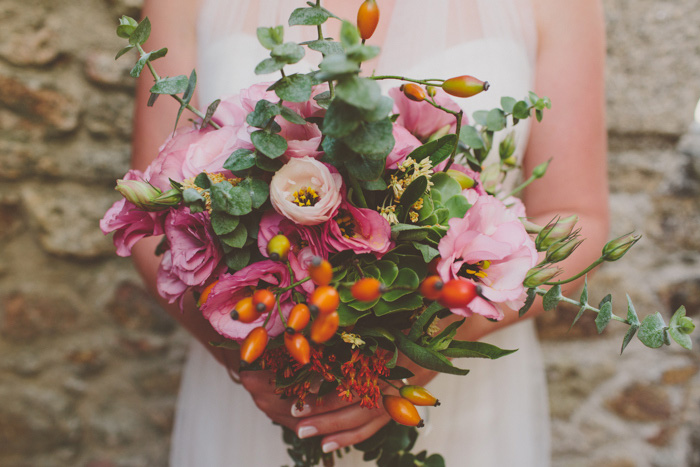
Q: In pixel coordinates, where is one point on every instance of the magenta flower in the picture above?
(129, 223)
(404, 144)
(359, 230)
(194, 251)
(421, 118)
(169, 285)
(231, 288)
(490, 247)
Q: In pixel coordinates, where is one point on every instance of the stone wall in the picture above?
(90, 364)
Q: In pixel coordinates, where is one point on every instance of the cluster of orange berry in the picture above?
(455, 293)
(402, 408)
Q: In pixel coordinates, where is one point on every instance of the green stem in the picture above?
(175, 96)
(426, 82)
(279, 312)
(521, 187)
(319, 29)
(454, 151)
(580, 274)
(291, 286)
(358, 190)
(390, 384)
(577, 303)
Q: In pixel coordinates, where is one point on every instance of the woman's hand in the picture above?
(262, 389)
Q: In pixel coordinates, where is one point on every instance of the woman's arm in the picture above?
(570, 70)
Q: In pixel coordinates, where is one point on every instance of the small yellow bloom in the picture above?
(353, 339)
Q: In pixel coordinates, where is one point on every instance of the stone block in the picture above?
(109, 116)
(23, 47)
(103, 70)
(27, 316)
(571, 384)
(57, 111)
(679, 375)
(134, 309)
(68, 216)
(642, 403)
(556, 324)
(686, 293)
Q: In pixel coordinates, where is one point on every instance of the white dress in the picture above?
(495, 416)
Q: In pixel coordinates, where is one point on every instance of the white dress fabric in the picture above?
(498, 414)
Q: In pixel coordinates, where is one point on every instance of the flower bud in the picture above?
(538, 276)
(170, 198)
(541, 169)
(464, 180)
(530, 227)
(507, 148)
(139, 193)
(555, 231)
(431, 91)
(686, 325)
(562, 250)
(616, 249)
(439, 133)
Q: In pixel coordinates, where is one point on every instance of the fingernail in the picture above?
(307, 431)
(305, 410)
(330, 447)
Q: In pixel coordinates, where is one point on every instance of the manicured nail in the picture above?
(305, 410)
(307, 431)
(330, 447)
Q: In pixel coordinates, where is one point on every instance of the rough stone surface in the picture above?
(90, 364)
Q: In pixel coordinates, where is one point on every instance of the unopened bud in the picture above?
(464, 180)
(686, 325)
(431, 90)
(616, 249)
(168, 199)
(538, 276)
(562, 250)
(507, 148)
(439, 133)
(555, 231)
(540, 170)
(138, 192)
(530, 227)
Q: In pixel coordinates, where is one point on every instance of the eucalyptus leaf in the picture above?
(312, 16)
(202, 181)
(141, 33)
(123, 51)
(263, 112)
(223, 223)
(289, 52)
(341, 119)
(676, 332)
(471, 137)
(268, 165)
(653, 330)
(551, 299)
(496, 120)
(210, 113)
(270, 37)
(235, 238)
(170, 85)
(366, 169)
(291, 116)
(269, 144)
(337, 65)
(257, 189)
(521, 110)
(604, 316)
(269, 65)
(241, 159)
(326, 47)
(359, 92)
(294, 88)
(234, 200)
(237, 259)
(529, 300)
(507, 103)
(349, 35)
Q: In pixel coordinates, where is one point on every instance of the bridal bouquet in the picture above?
(325, 228)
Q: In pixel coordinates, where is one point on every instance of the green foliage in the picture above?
(270, 144)
(270, 37)
(171, 85)
(233, 200)
(312, 16)
(679, 330)
(653, 331)
(633, 321)
(551, 299)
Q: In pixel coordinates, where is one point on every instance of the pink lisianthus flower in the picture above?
(231, 288)
(130, 223)
(309, 182)
(404, 144)
(491, 247)
(359, 230)
(302, 140)
(421, 118)
(194, 253)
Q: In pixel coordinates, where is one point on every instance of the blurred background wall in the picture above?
(89, 365)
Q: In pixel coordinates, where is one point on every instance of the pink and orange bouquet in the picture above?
(326, 228)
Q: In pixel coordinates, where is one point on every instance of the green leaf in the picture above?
(436, 147)
(308, 16)
(269, 65)
(426, 251)
(584, 293)
(466, 349)
(291, 116)
(446, 185)
(441, 341)
(365, 169)
(194, 200)
(604, 316)
(409, 302)
(633, 320)
(138, 68)
(349, 316)
(124, 50)
(202, 181)
(507, 103)
(424, 320)
(362, 53)
(236, 238)
(257, 189)
(270, 37)
(388, 271)
(263, 112)
(289, 52)
(480, 117)
(269, 144)
(457, 206)
(374, 185)
(675, 331)
(349, 35)
(234, 200)
(326, 47)
(653, 331)
(268, 165)
(141, 33)
(414, 192)
(407, 279)
(223, 223)
(241, 159)
(210, 113)
(187, 96)
(294, 88)
(533, 97)
(373, 140)
(434, 460)
(531, 294)
(341, 119)
(237, 258)
(125, 30)
(426, 358)
(399, 372)
(471, 137)
(382, 111)
(170, 85)
(496, 120)
(334, 66)
(551, 298)
(521, 110)
(359, 92)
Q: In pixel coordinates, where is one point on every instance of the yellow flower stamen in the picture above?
(215, 178)
(305, 197)
(353, 339)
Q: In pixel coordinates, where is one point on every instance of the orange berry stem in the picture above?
(279, 312)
